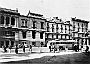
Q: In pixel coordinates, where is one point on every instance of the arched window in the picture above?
(12, 21)
(2, 20)
(7, 20)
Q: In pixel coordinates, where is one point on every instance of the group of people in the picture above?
(16, 48)
(85, 48)
(54, 48)
(75, 48)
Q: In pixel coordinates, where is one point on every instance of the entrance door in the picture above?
(12, 43)
(7, 43)
(2, 43)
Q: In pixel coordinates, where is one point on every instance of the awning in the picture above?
(63, 41)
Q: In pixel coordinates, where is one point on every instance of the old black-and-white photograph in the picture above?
(44, 32)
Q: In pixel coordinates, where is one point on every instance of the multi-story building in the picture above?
(58, 31)
(8, 26)
(32, 29)
(80, 31)
(21, 29)
(75, 31)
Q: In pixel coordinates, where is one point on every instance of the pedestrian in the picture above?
(4, 48)
(59, 48)
(30, 48)
(24, 48)
(81, 48)
(75, 48)
(50, 48)
(10, 48)
(66, 48)
(16, 49)
(54, 48)
(87, 49)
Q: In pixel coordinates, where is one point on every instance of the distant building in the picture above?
(74, 31)
(80, 31)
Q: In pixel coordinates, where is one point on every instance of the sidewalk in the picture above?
(7, 57)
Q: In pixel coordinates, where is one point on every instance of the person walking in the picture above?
(54, 48)
(66, 48)
(30, 48)
(50, 48)
(16, 49)
(24, 48)
(10, 48)
(87, 49)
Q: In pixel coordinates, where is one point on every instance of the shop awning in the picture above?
(63, 41)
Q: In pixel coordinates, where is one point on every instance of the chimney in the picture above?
(16, 9)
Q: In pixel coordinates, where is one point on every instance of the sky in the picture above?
(64, 9)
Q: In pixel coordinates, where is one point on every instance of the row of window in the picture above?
(33, 35)
(7, 43)
(24, 24)
(80, 29)
(86, 24)
(8, 33)
(2, 20)
(61, 37)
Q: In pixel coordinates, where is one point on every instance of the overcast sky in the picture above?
(50, 8)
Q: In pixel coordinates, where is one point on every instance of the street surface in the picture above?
(64, 57)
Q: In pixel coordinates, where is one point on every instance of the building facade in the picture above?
(8, 26)
(80, 31)
(21, 29)
(33, 29)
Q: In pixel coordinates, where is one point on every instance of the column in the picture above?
(15, 21)
(10, 21)
(9, 43)
(88, 42)
(4, 43)
(4, 20)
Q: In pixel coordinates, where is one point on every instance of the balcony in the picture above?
(23, 26)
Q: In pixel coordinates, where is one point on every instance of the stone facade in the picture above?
(34, 29)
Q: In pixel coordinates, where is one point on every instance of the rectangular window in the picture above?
(26, 23)
(52, 28)
(65, 37)
(2, 19)
(13, 33)
(52, 35)
(33, 34)
(42, 25)
(34, 26)
(65, 29)
(57, 36)
(24, 34)
(22, 23)
(12, 21)
(12, 43)
(41, 35)
(61, 36)
(2, 43)
(47, 27)
(57, 28)
(7, 20)
(61, 28)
